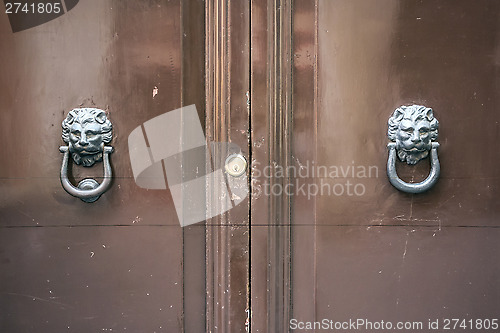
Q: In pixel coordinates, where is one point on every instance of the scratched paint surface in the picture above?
(88, 279)
(67, 266)
(384, 254)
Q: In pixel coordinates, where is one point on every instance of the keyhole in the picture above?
(236, 165)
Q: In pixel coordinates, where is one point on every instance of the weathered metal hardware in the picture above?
(413, 130)
(86, 131)
(236, 165)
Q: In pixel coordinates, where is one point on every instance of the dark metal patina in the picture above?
(413, 130)
(86, 131)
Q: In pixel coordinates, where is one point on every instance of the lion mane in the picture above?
(83, 116)
(414, 113)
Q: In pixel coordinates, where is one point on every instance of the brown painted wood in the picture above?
(293, 83)
(304, 148)
(227, 87)
(388, 255)
(193, 92)
(271, 137)
(122, 263)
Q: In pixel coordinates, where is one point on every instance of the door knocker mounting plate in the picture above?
(413, 131)
(86, 132)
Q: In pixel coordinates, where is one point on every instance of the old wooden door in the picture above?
(301, 87)
(123, 263)
(332, 241)
(420, 262)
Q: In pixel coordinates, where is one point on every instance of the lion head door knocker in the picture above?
(86, 131)
(413, 131)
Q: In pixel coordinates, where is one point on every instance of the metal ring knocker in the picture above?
(413, 130)
(86, 131)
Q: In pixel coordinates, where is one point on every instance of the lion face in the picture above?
(86, 131)
(413, 128)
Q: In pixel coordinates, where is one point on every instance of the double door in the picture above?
(305, 89)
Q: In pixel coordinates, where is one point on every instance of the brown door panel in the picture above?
(441, 55)
(89, 279)
(385, 254)
(143, 271)
(293, 83)
(72, 61)
(407, 274)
